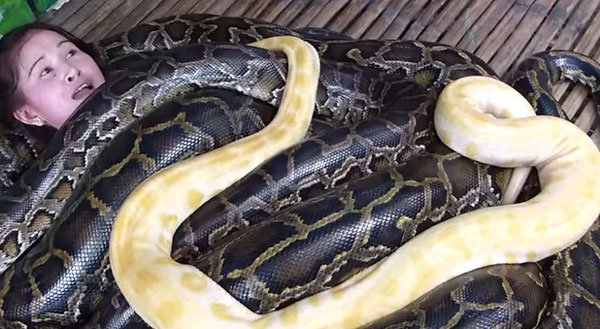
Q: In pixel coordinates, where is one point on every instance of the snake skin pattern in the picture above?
(356, 83)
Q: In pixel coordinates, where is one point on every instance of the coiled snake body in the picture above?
(61, 297)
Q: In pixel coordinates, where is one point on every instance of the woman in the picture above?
(45, 74)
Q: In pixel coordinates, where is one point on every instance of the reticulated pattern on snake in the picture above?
(347, 107)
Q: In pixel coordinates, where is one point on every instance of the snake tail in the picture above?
(536, 75)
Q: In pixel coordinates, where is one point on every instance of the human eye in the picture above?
(45, 71)
(71, 53)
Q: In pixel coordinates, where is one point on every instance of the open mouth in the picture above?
(83, 91)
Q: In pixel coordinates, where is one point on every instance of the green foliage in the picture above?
(41, 6)
(14, 13)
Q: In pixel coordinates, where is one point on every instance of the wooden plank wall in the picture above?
(501, 32)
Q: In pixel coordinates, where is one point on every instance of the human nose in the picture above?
(72, 73)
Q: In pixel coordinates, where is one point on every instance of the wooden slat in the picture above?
(309, 13)
(576, 24)
(423, 20)
(550, 28)
(202, 6)
(82, 15)
(588, 40)
(163, 9)
(291, 11)
(582, 17)
(386, 19)
(183, 6)
(517, 41)
(403, 19)
(332, 7)
(588, 115)
(375, 8)
(119, 14)
(136, 16)
(238, 8)
(101, 13)
(486, 23)
(258, 8)
(220, 7)
(463, 25)
(576, 103)
(274, 9)
(501, 32)
(444, 19)
(58, 17)
(347, 15)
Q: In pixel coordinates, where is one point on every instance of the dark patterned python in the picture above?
(372, 136)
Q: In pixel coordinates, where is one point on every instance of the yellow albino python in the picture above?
(170, 295)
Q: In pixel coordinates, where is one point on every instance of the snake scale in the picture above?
(356, 80)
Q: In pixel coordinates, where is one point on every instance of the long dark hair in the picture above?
(10, 45)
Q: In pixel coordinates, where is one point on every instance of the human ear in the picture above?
(28, 115)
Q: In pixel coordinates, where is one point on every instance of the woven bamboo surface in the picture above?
(501, 32)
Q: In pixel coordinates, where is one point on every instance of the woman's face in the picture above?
(54, 78)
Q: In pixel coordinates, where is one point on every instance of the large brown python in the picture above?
(348, 93)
